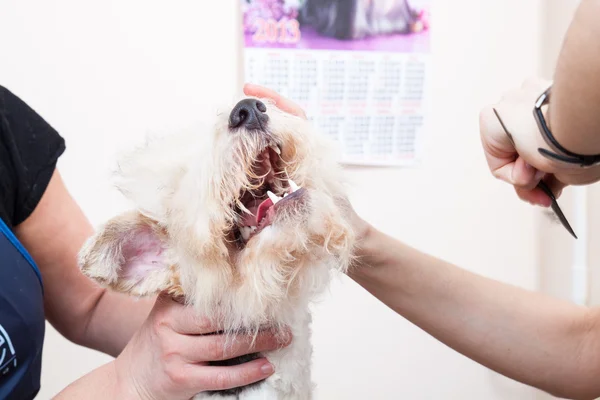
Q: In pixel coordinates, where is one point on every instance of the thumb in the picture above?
(519, 174)
(525, 176)
(502, 157)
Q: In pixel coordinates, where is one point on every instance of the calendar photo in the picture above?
(376, 25)
(357, 67)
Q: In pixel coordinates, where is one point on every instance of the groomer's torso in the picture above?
(22, 321)
(29, 150)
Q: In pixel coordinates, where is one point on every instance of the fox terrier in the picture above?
(246, 221)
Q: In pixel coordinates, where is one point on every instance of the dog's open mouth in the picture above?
(272, 191)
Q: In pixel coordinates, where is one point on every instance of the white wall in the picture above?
(104, 73)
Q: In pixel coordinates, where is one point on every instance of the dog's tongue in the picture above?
(257, 210)
(262, 210)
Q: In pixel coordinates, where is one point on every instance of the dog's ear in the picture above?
(128, 254)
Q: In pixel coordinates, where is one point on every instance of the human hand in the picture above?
(168, 357)
(360, 226)
(518, 161)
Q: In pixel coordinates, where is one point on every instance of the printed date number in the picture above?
(285, 31)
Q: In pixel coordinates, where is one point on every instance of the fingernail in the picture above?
(267, 368)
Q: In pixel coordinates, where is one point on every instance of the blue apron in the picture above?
(22, 320)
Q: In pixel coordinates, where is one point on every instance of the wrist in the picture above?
(558, 152)
(120, 389)
(370, 249)
(386, 267)
(101, 383)
(541, 142)
(126, 385)
(123, 389)
(570, 173)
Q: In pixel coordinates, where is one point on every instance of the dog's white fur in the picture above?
(183, 187)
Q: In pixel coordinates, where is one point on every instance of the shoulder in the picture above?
(29, 150)
(19, 118)
(9, 102)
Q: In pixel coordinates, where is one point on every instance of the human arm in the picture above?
(79, 309)
(36, 204)
(572, 117)
(532, 338)
(574, 108)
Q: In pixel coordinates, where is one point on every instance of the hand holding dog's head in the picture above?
(244, 219)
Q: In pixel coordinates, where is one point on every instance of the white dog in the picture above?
(246, 221)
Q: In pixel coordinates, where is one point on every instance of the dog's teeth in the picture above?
(245, 231)
(285, 195)
(274, 198)
(276, 149)
(253, 229)
(293, 185)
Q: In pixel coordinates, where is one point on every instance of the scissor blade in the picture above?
(556, 208)
(562, 218)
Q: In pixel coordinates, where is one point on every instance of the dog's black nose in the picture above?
(250, 114)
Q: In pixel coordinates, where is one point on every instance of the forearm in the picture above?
(100, 384)
(114, 320)
(575, 103)
(74, 305)
(526, 336)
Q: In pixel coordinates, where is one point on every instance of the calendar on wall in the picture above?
(359, 69)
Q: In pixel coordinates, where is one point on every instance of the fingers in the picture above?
(537, 196)
(555, 185)
(524, 176)
(194, 378)
(498, 146)
(534, 196)
(182, 319)
(218, 347)
(222, 378)
(500, 152)
(280, 101)
(502, 157)
(504, 161)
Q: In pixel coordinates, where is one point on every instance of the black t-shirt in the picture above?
(29, 151)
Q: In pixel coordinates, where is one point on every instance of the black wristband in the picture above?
(569, 157)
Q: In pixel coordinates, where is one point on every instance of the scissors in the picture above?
(544, 187)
